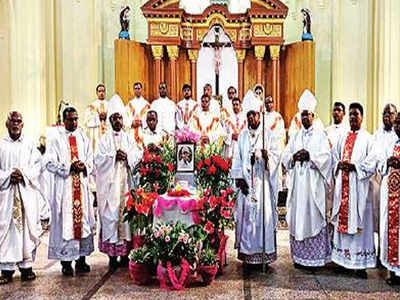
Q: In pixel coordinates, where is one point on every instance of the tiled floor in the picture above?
(281, 281)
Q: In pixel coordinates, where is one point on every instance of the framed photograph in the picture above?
(185, 157)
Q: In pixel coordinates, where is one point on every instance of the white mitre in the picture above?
(307, 102)
(115, 105)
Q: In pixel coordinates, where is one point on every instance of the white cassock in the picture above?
(352, 209)
(234, 124)
(62, 242)
(215, 108)
(335, 131)
(248, 211)
(389, 210)
(166, 110)
(295, 125)
(19, 204)
(207, 123)
(274, 122)
(186, 108)
(113, 181)
(380, 138)
(136, 109)
(309, 240)
(44, 181)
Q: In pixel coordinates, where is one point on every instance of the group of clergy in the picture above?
(343, 184)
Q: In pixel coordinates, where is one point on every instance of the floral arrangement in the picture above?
(212, 172)
(208, 257)
(185, 135)
(216, 212)
(141, 255)
(155, 174)
(138, 210)
(170, 243)
(179, 192)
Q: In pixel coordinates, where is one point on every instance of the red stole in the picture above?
(393, 212)
(344, 204)
(76, 192)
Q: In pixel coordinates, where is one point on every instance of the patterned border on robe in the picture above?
(77, 213)
(343, 225)
(393, 212)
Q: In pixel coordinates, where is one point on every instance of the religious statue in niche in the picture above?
(124, 18)
(307, 35)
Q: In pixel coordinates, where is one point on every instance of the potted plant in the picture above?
(208, 267)
(140, 260)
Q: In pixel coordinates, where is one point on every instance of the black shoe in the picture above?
(81, 266)
(362, 274)
(67, 269)
(124, 262)
(27, 274)
(113, 263)
(6, 277)
(393, 279)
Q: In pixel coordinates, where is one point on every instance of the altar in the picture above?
(253, 52)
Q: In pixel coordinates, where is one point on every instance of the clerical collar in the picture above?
(253, 132)
(309, 130)
(8, 138)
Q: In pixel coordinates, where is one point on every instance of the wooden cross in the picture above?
(217, 46)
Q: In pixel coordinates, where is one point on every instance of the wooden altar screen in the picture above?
(175, 38)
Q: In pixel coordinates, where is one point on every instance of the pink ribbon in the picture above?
(177, 284)
(168, 204)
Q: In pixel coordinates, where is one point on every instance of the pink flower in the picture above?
(167, 239)
(209, 228)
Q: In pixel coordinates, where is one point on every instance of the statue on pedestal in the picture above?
(124, 19)
(307, 35)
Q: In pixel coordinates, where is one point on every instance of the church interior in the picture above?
(57, 52)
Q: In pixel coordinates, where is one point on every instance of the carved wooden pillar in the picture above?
(240, 55)
(274, 51)
(158, 55)
(173, 54)
(193, 56)
(260, 52)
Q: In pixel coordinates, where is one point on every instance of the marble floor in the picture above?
(281, 281)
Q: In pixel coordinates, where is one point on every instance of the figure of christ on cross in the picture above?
(217, 46)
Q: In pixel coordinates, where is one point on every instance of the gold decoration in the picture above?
(268, 30)
(201, 33)
(157, 51)
(262, 3)
(187, 34)
(164, 29)
(260, 52)
(240, 54)
(193, 55)
(173, 52)
(232, 33)
(274, 51)
(244, 34)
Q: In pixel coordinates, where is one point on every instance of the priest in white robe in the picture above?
(385, 135)
(215, 107)
(71, 231)
(389, 167)
(207, 123)
(96, 116)
(19, 202)
(136, 110)
(115, 157)
(234, 126)
(353, 239)
(166, 110)
(307, 158)
(231, 93)
(339, 126)
(186, 108)
(152, 133)
(255, 212)
(295, 123)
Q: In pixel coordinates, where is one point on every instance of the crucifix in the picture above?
(217, 46)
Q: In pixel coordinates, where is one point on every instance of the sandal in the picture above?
(5, 279)
(27, 275)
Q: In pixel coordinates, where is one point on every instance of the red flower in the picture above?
(171, 167)
(226, 213)
(157, 173)
(229, 191)
(214, 201)
(207, 161)
(212, 170)
(129, 203)
(143, 171)
(158, 159)
(209, 228)
(200, 165)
